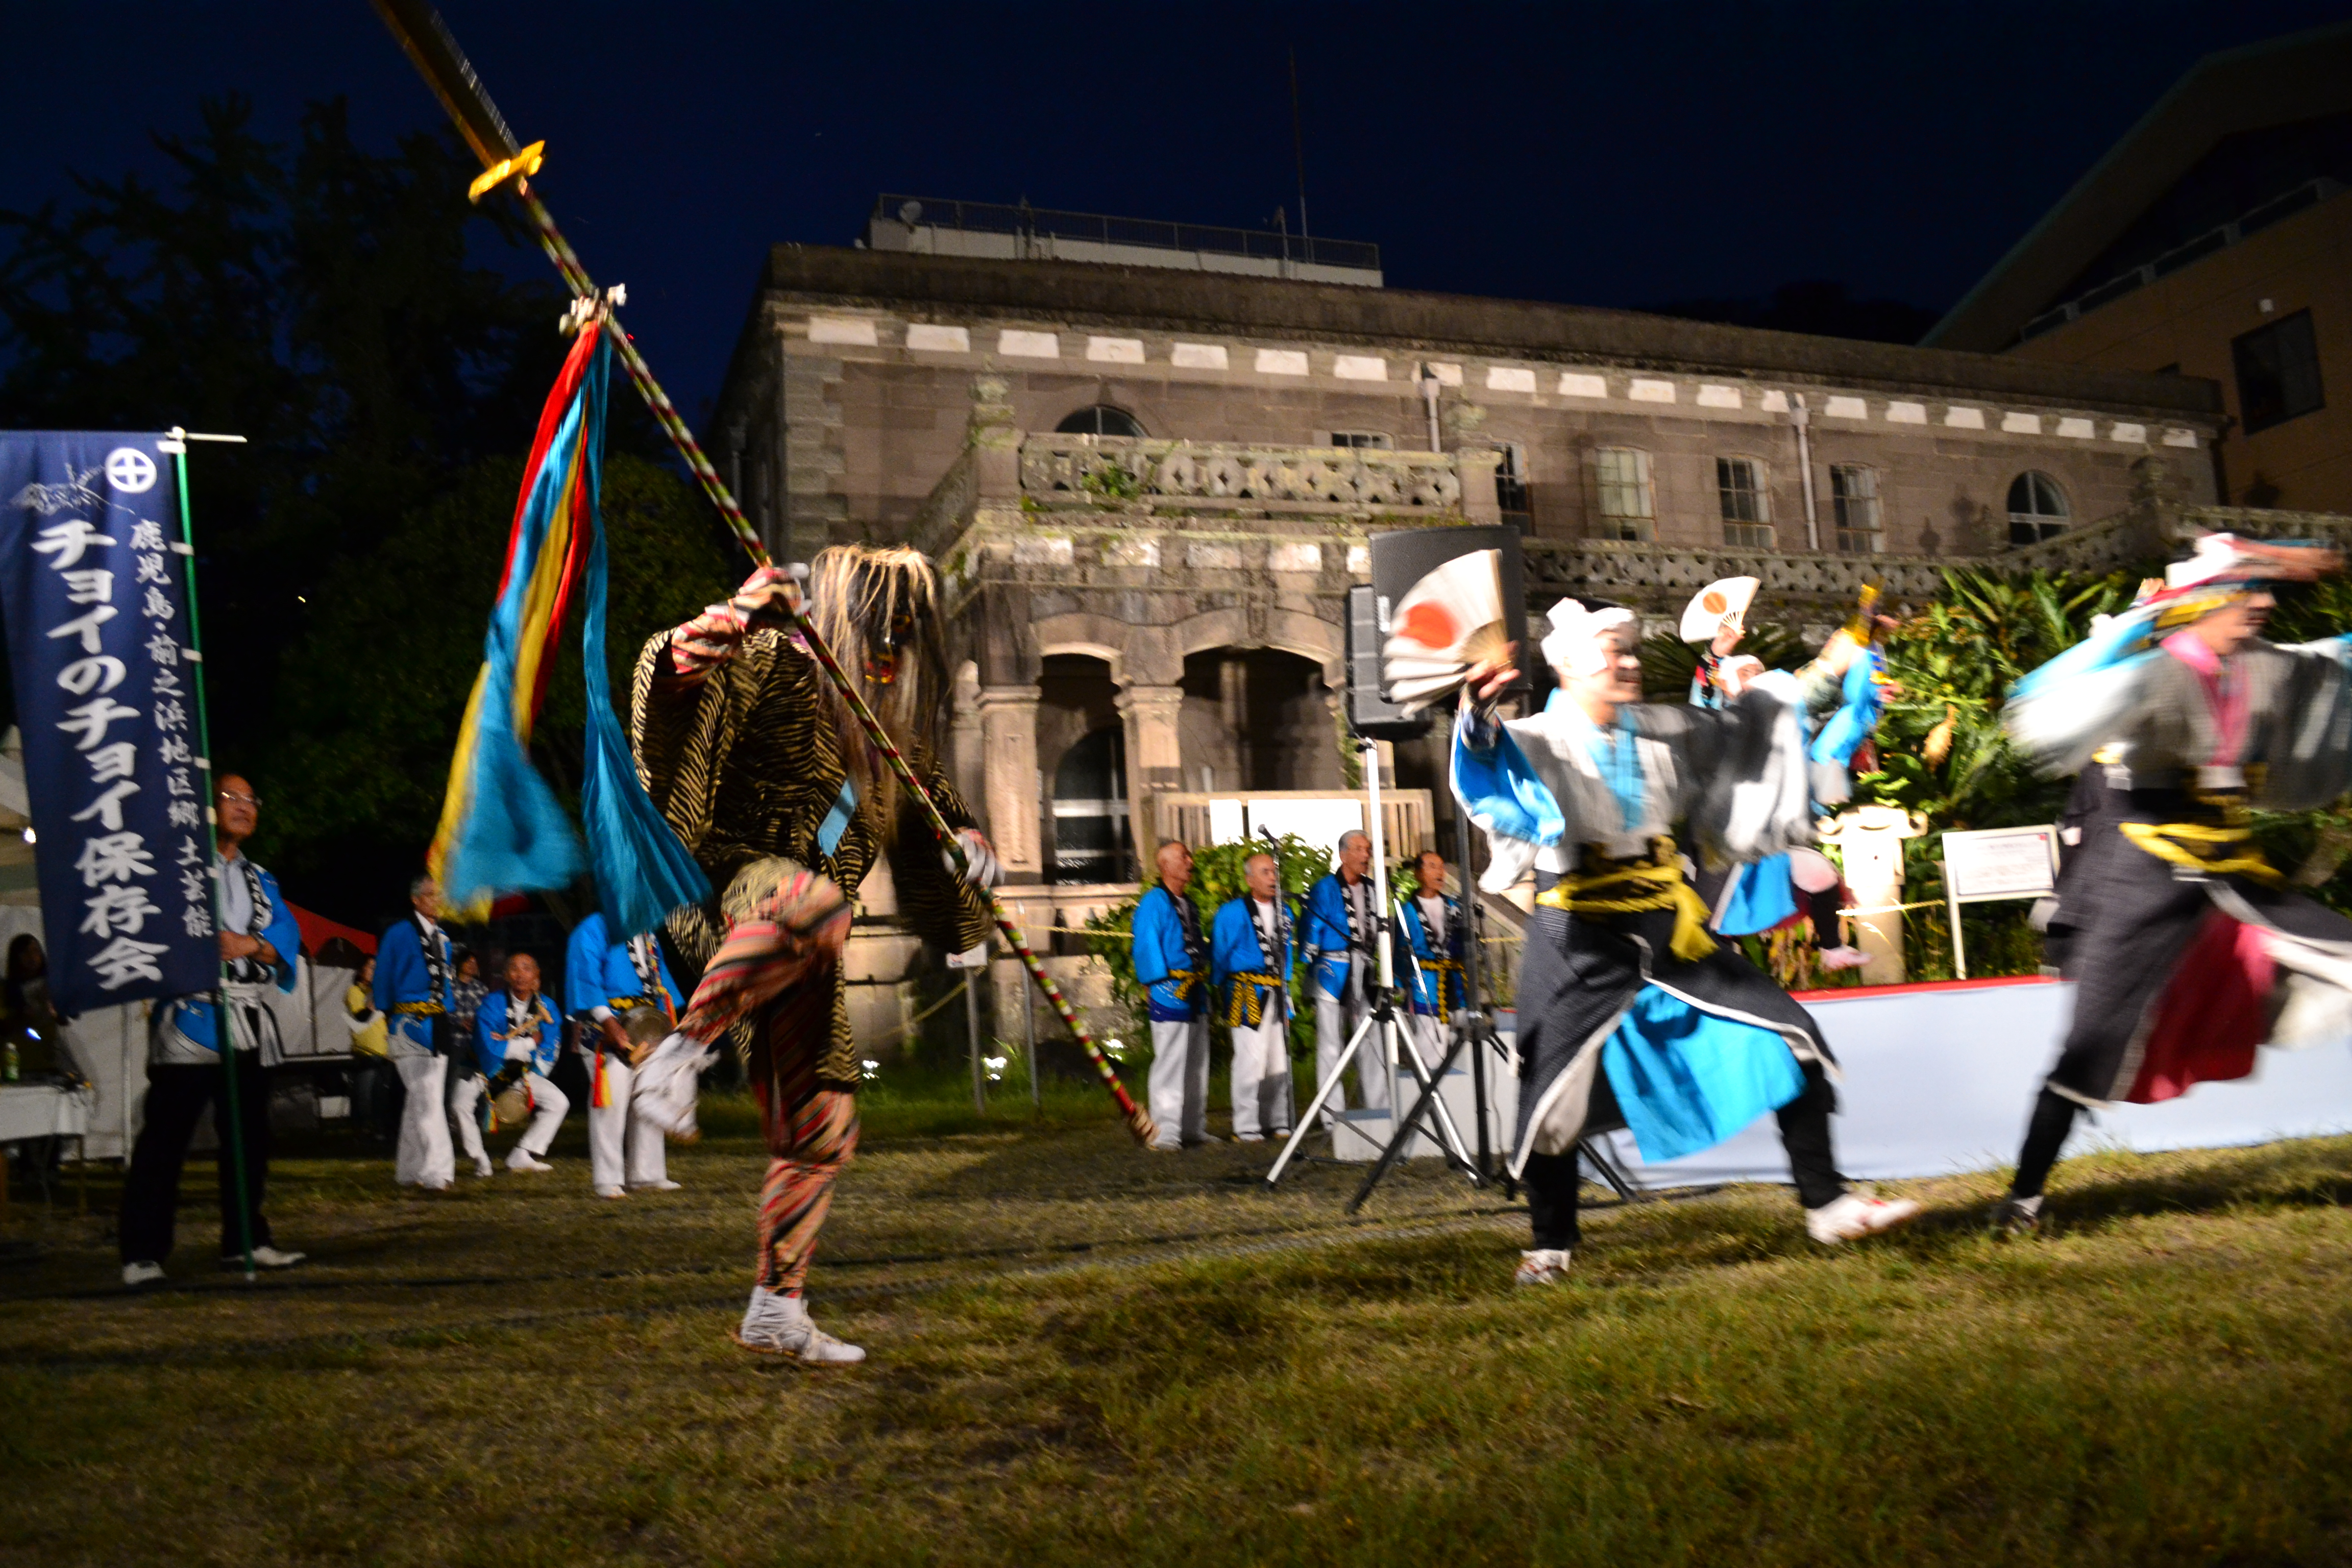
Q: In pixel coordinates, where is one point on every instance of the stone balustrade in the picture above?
(1662, 576)
(1115, 473)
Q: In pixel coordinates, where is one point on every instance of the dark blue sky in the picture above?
(1604, 155)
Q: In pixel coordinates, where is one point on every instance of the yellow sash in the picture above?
(2213, 849)
(1245, 1007)
(1637, 887)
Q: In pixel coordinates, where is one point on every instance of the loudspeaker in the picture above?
(1399, 561)
(1369, 713)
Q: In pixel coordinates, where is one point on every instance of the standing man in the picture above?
(1436, 931)
(1171, 963)
(604, 984)
(258, 941)
(1339, 940)
(1251, 954)
(517, 1035)
(416, 988)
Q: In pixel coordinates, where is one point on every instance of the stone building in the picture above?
(1149, 488)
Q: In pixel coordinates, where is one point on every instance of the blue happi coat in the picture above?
(193, 1016)
(401, 975)
(1424, 977)
(1235, 948)
(597, 972)
(490, 1026)
(1173, 976)
(1323, 934)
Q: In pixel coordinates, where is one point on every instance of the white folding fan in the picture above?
(1446, 623)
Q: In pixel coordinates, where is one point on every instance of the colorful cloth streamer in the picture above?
(503, 829)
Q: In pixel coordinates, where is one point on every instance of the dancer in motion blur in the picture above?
(1630, 1014)
(2187, 946)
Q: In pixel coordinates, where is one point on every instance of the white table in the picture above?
(42, 1110)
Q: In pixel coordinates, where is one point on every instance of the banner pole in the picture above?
(223, 1033)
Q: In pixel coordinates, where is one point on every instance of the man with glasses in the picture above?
(258, 940)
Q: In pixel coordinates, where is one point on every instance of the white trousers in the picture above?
(423, 1157)
(1431, 1038)
(549, 1106)
(1336, 1018)
(624, 1150)
(1179, 1082)
(1262, 1077)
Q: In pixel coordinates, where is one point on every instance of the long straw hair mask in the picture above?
(878, 610)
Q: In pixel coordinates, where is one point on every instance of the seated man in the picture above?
(517, 1035)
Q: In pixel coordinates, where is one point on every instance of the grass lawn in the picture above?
(1083, 1353)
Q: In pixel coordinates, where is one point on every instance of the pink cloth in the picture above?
(2225, 697)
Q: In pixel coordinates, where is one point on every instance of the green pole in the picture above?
(223, 1031)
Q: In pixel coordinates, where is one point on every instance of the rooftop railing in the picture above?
(1100, 229)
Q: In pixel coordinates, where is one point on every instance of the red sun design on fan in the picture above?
(1430, 625)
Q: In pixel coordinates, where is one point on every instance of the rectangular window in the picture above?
(2278, 373)
(1511, 487)
(1371, 440)
(1623, 482)
(1746, 509)
(1854, 494)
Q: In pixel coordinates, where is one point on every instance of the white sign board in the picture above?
(2000, 863)
(1319, 821)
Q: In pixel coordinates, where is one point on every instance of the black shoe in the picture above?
(2012, 1221)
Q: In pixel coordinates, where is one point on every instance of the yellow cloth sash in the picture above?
(1245, 1007)
(2213, 849)
(1186, 982)
(418, 1009)
(1439, 968)
(1637, 887)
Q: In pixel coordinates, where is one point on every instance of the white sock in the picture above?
(2030, 1207)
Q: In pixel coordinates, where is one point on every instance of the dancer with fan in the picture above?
(1630, 1014)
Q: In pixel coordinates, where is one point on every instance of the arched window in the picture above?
(1102, 419)
(2037, 509)
(1091, 821)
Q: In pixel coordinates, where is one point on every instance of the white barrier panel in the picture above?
(1939, 1080)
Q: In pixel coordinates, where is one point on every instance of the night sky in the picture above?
(1605, 156)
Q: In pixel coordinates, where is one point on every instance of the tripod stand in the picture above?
(1379, 1025)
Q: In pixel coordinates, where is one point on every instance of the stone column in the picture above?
(966, 743)
(1154, 760)
(1014, 794)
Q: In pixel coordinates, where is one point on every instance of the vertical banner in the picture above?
(92, 590)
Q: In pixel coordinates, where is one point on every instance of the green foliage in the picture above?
(1216, 882)
(372, 692)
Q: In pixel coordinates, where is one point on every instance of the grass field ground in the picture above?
(1084, 1354)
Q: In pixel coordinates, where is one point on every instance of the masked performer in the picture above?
(2187, 947)
(517, 1038)
(1251, 956)
(771, 785)
(608, 987)
(1171, 964)
(1749, 899)
(1337, 936)
(1630, 1015)
(1434, 931)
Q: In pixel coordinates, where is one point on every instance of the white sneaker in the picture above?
(524, 1159)
(612, 1192)
(137, 1274)
(1852, 1215)
(263, 1257)
(662, 1186)
(777, 1324)
(1836, 958)
(1544, 1266)
(482, 1167)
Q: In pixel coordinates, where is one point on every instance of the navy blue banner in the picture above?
(93, 593)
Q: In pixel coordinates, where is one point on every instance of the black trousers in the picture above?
(176, 1096)
(1551, 1179)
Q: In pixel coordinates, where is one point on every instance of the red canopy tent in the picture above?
(318, 931)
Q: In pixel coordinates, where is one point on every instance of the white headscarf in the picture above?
(1575, 644)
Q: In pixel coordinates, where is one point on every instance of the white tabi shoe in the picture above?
(139, 1275)
(777, 1324)
(1544, 1265)
(612, 1192)
(1852, 1215)
(263, 1257)
(482, 1167)
(524, 1159)
(663, 1187)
